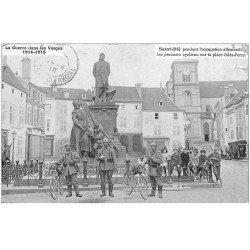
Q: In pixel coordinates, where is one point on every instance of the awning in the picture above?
(238, 143)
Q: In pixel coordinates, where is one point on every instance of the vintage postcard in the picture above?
(124, 123)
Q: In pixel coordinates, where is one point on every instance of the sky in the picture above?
(135, 63)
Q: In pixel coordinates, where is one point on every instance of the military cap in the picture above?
(105, 140)
(203, 151)
(67, 144)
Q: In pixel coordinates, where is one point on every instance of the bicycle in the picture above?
(56, 181)
(204, 173)
(136, 178)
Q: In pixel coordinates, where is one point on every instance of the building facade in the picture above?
(13, 97)
(201, 100)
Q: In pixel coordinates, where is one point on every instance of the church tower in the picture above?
(186, 95)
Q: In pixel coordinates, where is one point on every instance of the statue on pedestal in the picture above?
(101, 72)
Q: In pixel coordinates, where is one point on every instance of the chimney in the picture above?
(4, 60)
(54, 87)
(226, 91)
(231, 91)
(26, 69)
(138, 88)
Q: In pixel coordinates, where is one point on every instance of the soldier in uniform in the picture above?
(69, 159)
(107, 158)
(154, 159)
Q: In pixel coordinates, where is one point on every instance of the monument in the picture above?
(104, 109)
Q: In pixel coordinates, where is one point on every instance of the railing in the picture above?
(25, 174)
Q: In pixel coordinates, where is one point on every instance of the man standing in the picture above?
(101, 72)
(176, 162)
(215, 158)
(154, 159)
(69, 159)
(185, 161)
(107, 158)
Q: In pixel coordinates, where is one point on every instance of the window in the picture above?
(30, 92)
(186, 75)
(21, 94)
(34, 116)
(34, 94)
(63, 109)
(48, 125)
(19, 146)
(239, 133)
(175, 116)
(157, 129)
(21, 116)
(29, 114)
(160, 103)
(247, 109)
(156, 116)
(12, 114)
(2, 86)
(176, 130)
(232, 134)
(187, 98)
(3, 111)
(47, 107)
(48, 147)
(136, 122)
(136, 106)
(13, 91)
(123, 122)
(38, 96)
(41, 118)
(63, 125)
(41, 96)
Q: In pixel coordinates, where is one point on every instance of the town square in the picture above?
(80, 125)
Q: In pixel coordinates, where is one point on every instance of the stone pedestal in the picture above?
(106, 114)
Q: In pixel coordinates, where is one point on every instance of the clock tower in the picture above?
(186, 95)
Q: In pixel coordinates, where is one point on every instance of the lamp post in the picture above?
(13, 148)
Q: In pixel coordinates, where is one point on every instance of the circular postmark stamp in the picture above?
(58, 66)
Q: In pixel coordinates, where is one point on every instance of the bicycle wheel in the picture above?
(61, 183)
(128, 181)
(54, 187)
(143, 187)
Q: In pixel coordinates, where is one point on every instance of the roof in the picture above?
(151, 98)
(126, 94)
(58, 94)
(25, 82)
(215, 89)
(9, 77)
(237, 98)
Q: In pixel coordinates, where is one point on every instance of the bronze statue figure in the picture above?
(101, 72)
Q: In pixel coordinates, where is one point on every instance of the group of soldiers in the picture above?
(107, 163)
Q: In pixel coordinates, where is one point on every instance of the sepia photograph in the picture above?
(124, 123)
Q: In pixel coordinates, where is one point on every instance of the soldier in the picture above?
(70, 158)
(106, 156)
(154, 160)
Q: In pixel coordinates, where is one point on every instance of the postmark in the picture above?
(59, 66)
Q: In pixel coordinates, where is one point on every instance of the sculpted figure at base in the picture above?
(82, 130)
